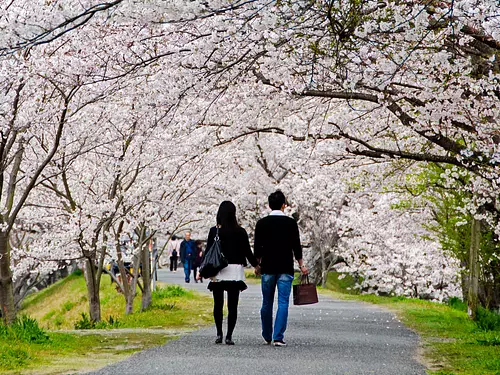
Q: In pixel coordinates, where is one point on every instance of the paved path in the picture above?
(331, 337)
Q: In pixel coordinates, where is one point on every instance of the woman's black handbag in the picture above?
(214, 260)
(304, 293)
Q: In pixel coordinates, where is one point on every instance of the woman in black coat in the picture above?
(197, 260)
(236, 248)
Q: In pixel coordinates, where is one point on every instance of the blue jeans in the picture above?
(269, 283)
(188, 265)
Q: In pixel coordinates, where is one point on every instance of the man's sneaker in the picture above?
(279, 343)
(267, 342)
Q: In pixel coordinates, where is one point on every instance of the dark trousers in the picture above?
(195, 270)
(233, 297)
(173, 263)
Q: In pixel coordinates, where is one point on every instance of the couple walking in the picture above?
(276, 244)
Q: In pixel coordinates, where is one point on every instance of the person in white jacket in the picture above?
(173, 248)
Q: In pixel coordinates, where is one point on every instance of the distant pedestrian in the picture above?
(187, 254)
(197, 259)
(236, 249)
(173, 248)
(277, 242)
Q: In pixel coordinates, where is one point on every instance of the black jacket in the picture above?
(198, 257)
(234, 245)
(277, 241)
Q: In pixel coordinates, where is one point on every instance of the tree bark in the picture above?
(92, 290)
(472, 299)
(154, 264)
(7, 306)
(146, 278)
(324, 270)
(129, 308)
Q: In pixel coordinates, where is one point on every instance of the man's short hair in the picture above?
(276, 200)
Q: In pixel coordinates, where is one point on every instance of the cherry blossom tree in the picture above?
(293, 95)
(35, 111)
(416, 81)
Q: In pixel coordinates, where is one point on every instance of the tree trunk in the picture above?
(129, 308)
(102, 256)
(154, 272)
(324, 270)
(154, 264)
(7, 307)
(146, 278)
(93, 290)
(474, 268)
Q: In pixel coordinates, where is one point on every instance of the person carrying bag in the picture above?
(277, 244)
(224, 262)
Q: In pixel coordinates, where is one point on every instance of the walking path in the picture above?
(331, 337)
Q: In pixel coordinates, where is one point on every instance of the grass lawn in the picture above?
(452, 344)
(60, 306)
(69, 353)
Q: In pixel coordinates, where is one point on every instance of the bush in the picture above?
(86, 323)
(170, 291)
(24, 329)
(487, 320)
(457, 304)
(112, 322)
(67, 306)
(490, 341)
(77, 272)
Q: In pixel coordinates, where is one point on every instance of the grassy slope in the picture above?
(61, 305)
(451, 343)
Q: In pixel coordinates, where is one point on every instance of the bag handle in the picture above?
(304, 279)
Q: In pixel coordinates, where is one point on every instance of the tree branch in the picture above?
(41, 167)
(61, 29)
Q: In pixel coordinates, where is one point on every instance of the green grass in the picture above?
(251, 278)
(343, 283)
(67, 353)
(452, 344)
(24, 350)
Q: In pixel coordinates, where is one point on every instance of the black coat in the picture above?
(277, 242)
(234, 245)
(198, 258)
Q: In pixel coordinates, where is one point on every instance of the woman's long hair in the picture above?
(226, 216)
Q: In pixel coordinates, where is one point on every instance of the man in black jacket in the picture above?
(277, 242)
(188, 254)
